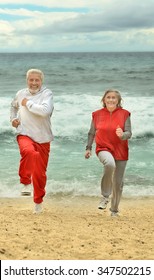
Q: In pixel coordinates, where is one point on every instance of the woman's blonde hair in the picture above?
(35, 71)
(118, 96)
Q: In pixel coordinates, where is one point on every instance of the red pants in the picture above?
(33, 165)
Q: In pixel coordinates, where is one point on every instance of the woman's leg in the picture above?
(109, 167)
(117, 184)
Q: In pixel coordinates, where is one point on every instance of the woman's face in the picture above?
(111, 101)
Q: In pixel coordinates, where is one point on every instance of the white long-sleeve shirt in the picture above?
(35, 117)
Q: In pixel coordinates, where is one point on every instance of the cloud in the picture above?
(100, 21)
(5, 28)
(49, 3)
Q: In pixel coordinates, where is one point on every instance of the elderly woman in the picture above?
(111, 129)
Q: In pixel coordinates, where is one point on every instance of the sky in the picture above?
(76, 25)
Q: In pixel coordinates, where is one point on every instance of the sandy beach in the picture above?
(72, 228)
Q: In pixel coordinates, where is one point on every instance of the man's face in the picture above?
(34, 82)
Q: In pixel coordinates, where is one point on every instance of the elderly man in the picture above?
(31, 111)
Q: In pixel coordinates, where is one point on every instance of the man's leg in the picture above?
(39, 176)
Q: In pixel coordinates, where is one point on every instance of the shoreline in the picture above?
(72, 228)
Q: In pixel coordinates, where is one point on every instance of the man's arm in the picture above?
(44, 109)
(14, 113)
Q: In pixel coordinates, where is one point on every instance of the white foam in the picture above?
(72, 114)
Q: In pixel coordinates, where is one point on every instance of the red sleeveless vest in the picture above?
(106, 139)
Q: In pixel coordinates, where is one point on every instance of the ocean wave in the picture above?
(72, 116)
(149, 70)
(6, 134)
(79, 68)
(77, 188)
(144, 135)
(76, 136)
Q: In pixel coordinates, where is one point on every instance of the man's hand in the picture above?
(24, 101)
(15, 123)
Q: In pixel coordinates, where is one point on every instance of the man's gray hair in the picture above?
(35, 71)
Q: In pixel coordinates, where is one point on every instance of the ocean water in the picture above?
(78, 81)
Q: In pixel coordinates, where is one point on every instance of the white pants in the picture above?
(112, 180)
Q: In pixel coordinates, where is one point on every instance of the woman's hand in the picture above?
(119, 132)
(88, 154)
